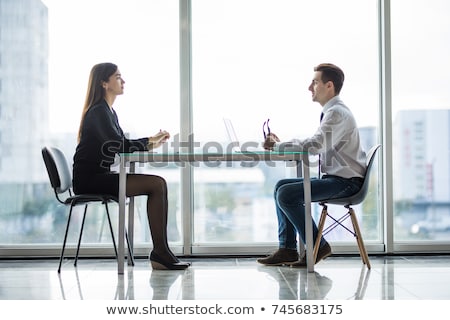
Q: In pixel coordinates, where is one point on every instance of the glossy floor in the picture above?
(341, 278)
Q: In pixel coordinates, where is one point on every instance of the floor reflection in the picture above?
(337, 278)
(362, 283)
(162, 281)
(298, 284)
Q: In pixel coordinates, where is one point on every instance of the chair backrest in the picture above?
(57, 169)
(358, 197)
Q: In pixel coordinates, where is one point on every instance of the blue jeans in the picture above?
(289, 202)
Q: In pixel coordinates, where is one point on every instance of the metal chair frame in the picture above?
(61, 182)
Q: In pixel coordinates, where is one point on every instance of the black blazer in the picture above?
(101, 139)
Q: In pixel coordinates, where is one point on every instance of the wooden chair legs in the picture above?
(359, 239)
(356, 231)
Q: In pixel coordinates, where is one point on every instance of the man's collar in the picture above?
(330, 103)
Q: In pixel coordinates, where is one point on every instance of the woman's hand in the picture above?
(158, 139)
(270, 141)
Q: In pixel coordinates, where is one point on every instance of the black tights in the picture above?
(155, 188)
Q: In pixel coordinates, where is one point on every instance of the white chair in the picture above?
(348, 202)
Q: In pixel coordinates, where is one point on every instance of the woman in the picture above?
(99, 139)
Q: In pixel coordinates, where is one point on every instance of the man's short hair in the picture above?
(333, 73)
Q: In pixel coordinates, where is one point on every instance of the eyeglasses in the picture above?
(266, 125)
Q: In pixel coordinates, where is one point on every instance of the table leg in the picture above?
(121, 229)
(131, 223)
(308, 217)
(299, 169)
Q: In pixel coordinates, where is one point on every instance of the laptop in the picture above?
(234, 140)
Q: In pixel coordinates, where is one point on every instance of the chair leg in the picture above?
(114, 240)
(65, 239)
(320, 227)
(130, 251)
(81, 234)
(111, 228)
(359, 239)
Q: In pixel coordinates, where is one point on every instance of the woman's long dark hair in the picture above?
(95, 92)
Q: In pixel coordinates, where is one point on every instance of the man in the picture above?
(342, 163)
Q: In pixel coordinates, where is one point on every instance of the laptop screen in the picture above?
(231, 133)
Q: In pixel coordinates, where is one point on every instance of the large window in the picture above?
(48, 48)
(254, 60)
(245, 60)
(421, 119)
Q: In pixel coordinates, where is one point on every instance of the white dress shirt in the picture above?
(337, 141)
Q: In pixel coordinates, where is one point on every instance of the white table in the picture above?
(128, 160)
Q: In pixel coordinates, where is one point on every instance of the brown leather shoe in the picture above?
(280, 257)
(324, 252)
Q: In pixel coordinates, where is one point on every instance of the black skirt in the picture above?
(100, 183)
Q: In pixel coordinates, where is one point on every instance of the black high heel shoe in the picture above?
(159, 264)
(178, 260)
